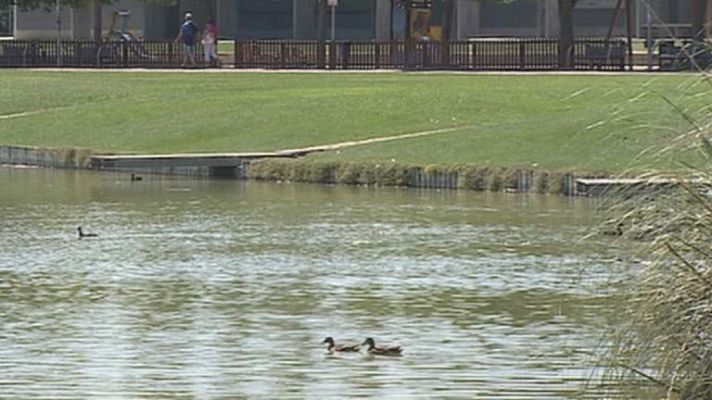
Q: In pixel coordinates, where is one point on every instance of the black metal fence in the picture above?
(473, 55)
(476, 55)
(87, 54)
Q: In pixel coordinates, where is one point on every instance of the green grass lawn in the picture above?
(575, 122)
(226, 46)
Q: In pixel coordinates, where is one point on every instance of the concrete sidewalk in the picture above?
(641, 71)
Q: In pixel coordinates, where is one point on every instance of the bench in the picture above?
(666, 31)
(599, 56)
(689, 56)
(668, 54)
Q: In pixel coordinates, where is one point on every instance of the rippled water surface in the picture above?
(224, 289)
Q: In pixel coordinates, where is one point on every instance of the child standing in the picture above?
(210, 43)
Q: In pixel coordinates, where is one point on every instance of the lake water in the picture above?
(225, 289)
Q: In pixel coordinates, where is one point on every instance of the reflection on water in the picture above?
(222, 289)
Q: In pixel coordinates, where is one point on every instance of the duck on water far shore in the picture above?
(617, 232)
(340, 348)
(383, 350)
(83, 235)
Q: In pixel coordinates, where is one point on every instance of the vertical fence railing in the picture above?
(474, 55)
(600, 54)
(89, 54)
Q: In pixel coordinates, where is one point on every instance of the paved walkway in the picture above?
(643, 71)
(222, 158)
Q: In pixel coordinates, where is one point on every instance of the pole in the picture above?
(616, 13)
(333, 23)
(407, 43)
(638, 6)
(649, 39)
(629, 32)
(13, 31)
(295, 20)
(59, 33)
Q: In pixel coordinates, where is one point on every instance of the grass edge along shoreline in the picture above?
(355, 173)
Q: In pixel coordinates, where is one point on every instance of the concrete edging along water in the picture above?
(228, 165)
(237, 166)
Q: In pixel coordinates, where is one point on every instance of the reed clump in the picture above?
(70, 157)
(390, 173)
(664, 342)
(474, 177)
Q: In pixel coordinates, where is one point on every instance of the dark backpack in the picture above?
(188, 31)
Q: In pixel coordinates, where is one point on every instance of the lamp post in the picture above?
(333, 4)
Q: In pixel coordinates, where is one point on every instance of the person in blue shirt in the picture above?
(188, 35)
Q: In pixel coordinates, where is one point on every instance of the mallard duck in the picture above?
(83, 235)
(342, 348)
(382, 351)
(135, 178)
(617, 232)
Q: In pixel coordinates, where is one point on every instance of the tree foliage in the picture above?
(27, 5)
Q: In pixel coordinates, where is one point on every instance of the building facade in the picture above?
(356, 19)
(7, 21)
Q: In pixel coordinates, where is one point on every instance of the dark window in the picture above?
(355, 19)
(398, 19)
(264, 19)
(519, 14)
(596, 18)
(6, 20)
(684, 12)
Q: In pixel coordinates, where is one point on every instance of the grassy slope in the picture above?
(573, 122)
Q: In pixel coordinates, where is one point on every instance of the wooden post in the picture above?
(426, 55)
(170, 54)
(125, 54)
(474, 54)
(282, 54)
(332, 55)
(238, 56)
(377, 54)
(345, 53)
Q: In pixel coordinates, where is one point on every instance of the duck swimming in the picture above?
(135, 178)
(382, 351)
(617, 232)
(83, 235)
(341, 348)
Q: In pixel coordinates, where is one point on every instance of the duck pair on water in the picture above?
(372, 348)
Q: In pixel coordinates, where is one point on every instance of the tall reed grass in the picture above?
(662, 346)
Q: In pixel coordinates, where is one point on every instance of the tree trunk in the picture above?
(708, 22)
(321, 33)
(97, 21)
(566, 34)
(448, 17)
(698, 19)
